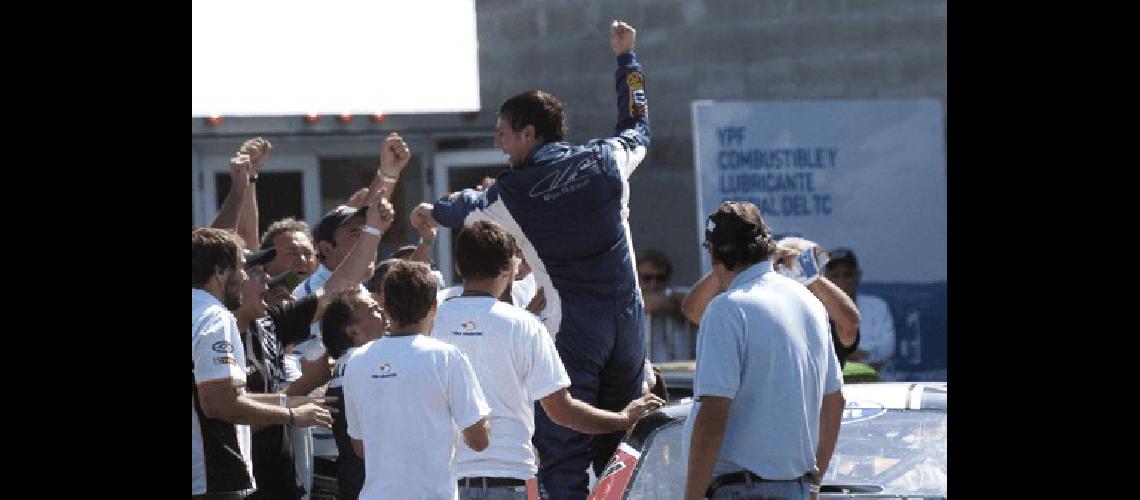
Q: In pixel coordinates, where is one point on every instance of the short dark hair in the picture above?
(737, 235)
(336, 320)
(540, 109)
(286, 225)
(409, 291)
(657, 258)
(374, 283)
(213, 250)
(483, 249)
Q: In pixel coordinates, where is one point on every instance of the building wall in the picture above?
(704, 49)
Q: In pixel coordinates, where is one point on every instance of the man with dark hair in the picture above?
(517, 365)
(294, 248)
(350, 320)
(876, 346)
(765, 355)
(567, 208)
(406, 395)
(222, 466)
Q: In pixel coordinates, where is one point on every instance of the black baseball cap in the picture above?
(842, 255)
(335, 218)
(260, 257)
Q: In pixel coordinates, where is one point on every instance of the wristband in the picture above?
(371, 230)
(252, 179)
(384, 176)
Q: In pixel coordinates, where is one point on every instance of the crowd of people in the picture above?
(536, 364)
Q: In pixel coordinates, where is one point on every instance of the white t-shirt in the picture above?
(408, 398)
(876, 329)
(218, 354)
(517, 364)
(522, 292)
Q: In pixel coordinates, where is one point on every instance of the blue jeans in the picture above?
(795, 489)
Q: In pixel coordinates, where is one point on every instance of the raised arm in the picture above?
(356, 265)
(631, 135)
(257, 149)
(700, 295)
(227, 217)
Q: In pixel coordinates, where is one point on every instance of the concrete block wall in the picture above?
(705, 49)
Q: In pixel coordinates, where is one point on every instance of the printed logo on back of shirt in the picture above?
(468, 330)
(384, 371)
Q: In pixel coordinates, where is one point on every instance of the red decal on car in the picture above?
(614, 480)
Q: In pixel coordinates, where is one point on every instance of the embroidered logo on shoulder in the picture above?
(384, 371)
(225, 360)
(222, 346)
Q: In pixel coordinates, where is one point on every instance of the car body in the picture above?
(892, 444)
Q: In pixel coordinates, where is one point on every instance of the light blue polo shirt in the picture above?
(765, 344)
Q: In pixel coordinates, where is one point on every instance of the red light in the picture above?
(379, 117)
(344, 117)
(214, 120)
(312, 118)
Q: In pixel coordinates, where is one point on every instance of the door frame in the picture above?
(443, 162)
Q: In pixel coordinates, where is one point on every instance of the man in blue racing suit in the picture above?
(567, 208)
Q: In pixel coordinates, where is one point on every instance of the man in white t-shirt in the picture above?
(517, 364)
(221, 411)
(407, 396)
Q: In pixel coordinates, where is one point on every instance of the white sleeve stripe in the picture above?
(627, 159)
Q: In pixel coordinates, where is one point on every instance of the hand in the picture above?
(422, 215)
(316, 372)
(811, 262)
(421, 220)
(311, 415)
(394, 155)
(258, 150)
(380, 213)
(240, 170)
(641, 406)
(622, 37)
(538, 303)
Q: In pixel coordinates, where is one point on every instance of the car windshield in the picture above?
(903, 452)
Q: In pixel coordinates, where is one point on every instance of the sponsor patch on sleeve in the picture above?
(636, 84)
(222, 346)
(225, 360)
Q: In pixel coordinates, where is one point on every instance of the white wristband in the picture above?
(371, 230)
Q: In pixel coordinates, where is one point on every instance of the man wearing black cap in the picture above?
(876, 325)
(265, 331)
(764, 354)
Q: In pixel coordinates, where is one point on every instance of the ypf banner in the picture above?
(870, 175)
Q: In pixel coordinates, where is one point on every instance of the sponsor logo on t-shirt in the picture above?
(222, 346)
(468, 330)
(384, 371)
(225, 360)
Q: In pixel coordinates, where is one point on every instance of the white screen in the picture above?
(290, 57)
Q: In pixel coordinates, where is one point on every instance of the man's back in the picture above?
(765, 344)
(405, 396)
(517, 364)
